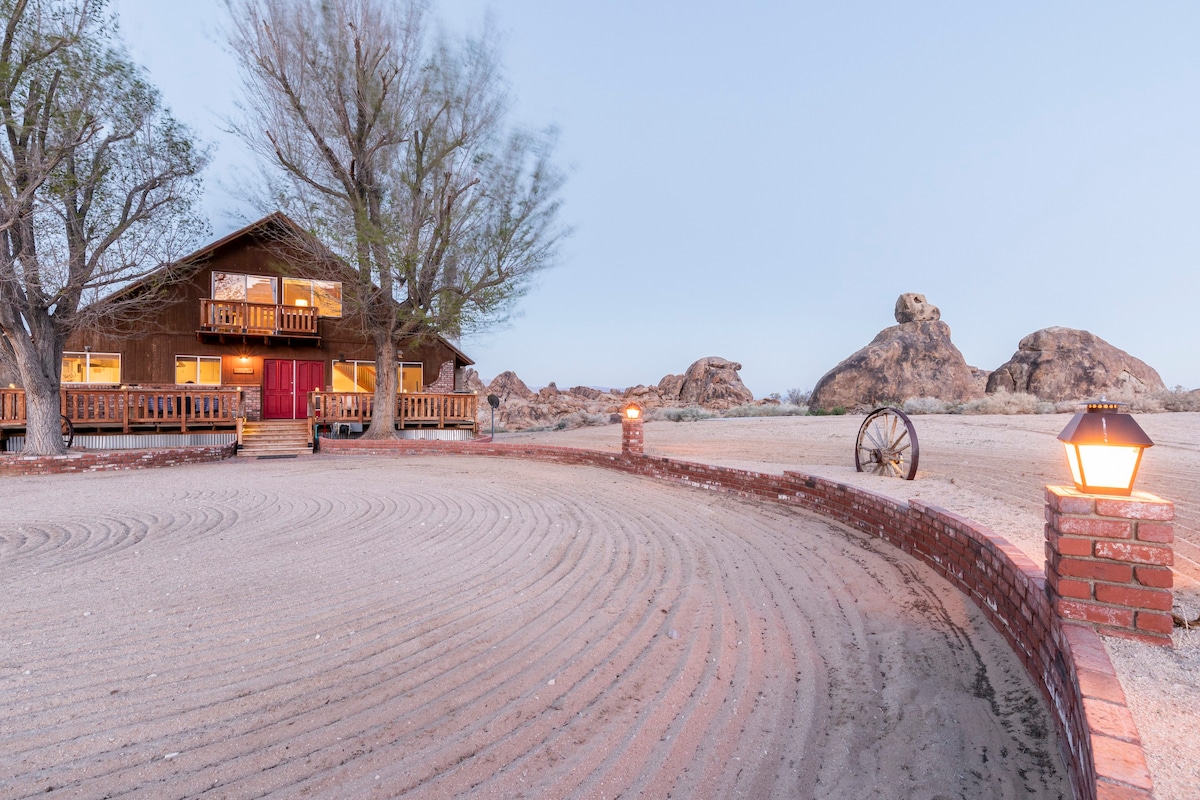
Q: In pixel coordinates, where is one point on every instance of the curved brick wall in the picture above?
(1067, 661)
(105, 460)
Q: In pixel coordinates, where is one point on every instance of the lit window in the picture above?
(354, 376)
(200, 370)
(325, 296)
(359, 376)
(91, 368)
(410, 377)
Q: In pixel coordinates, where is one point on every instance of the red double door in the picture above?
(286, 384)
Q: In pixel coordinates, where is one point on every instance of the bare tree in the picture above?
(96, 185)
(394, 150)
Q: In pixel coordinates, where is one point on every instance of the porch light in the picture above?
(1104, 449)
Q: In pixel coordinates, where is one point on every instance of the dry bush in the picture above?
(1007, 403)
(769, 410)
(926, 405)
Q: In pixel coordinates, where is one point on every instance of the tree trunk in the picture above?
(383, 415)
(43, 426)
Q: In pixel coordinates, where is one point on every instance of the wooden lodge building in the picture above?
(246, 333)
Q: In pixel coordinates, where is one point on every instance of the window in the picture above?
(244, 288)
(325, 296)
(200, 370)
(359, 376)
(91, 368)
(354, 376)
(410, 377)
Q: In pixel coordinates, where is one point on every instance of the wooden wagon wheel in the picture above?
(887, 445)
(68, 431)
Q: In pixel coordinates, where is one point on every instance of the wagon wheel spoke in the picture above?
(887, 444)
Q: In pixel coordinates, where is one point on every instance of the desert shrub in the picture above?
(797, 397)
(1177, 399)
(580, 419)
(685, 414)
(755, 410)
(925, 405)
(1007, 403)
(836, 411)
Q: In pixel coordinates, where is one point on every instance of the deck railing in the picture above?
(413, 410)
(162, 408)
(231, 316)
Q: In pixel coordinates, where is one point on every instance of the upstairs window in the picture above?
(91, 368)
(200, 370)
(325, 296)
(244, 288)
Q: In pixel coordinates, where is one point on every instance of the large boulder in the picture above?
(912, 359)
(508, 386)
(1060, 364)
(713, 383)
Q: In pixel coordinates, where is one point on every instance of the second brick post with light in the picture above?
(632, 440)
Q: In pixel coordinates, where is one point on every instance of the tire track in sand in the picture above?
(428, 628)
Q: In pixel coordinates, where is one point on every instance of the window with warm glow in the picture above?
(325, 296)
(200, 370)
(359, 376)
(91, 368)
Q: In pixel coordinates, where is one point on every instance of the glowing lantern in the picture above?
(633, 411)
(1104, 449)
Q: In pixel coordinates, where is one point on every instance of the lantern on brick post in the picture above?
(1104, 449)
(632, 441)
(1108, 550)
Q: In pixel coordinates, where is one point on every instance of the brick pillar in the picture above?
(1108, 561)
(632, 441)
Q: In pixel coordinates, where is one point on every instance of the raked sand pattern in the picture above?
(459, 627)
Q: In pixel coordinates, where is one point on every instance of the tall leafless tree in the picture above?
(96, 184)
(394, 149)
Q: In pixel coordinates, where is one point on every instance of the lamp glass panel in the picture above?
(1108, 466)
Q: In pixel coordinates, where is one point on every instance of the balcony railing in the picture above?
(413, 410)
(231, 316)
(161, 409)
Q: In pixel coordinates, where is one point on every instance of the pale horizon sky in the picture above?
(761, 182)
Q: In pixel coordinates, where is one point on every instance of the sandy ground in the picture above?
(367, 627)
(993, 469)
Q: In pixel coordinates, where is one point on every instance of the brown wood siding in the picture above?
(148, 350)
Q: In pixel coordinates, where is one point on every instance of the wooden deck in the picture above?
(169, 409)
(413, 410)
(126, 409)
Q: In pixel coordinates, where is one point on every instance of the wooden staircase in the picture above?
(277, 437)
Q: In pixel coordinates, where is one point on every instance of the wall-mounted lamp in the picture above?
(1104, 449)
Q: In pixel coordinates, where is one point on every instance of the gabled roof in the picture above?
(193, 262)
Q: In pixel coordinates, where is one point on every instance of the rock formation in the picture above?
(912, 307)
(711, 383)
(914, 358)
(1060, 364)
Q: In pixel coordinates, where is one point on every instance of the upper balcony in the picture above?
(232, 320)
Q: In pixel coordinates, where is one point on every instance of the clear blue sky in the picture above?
(761, 180)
